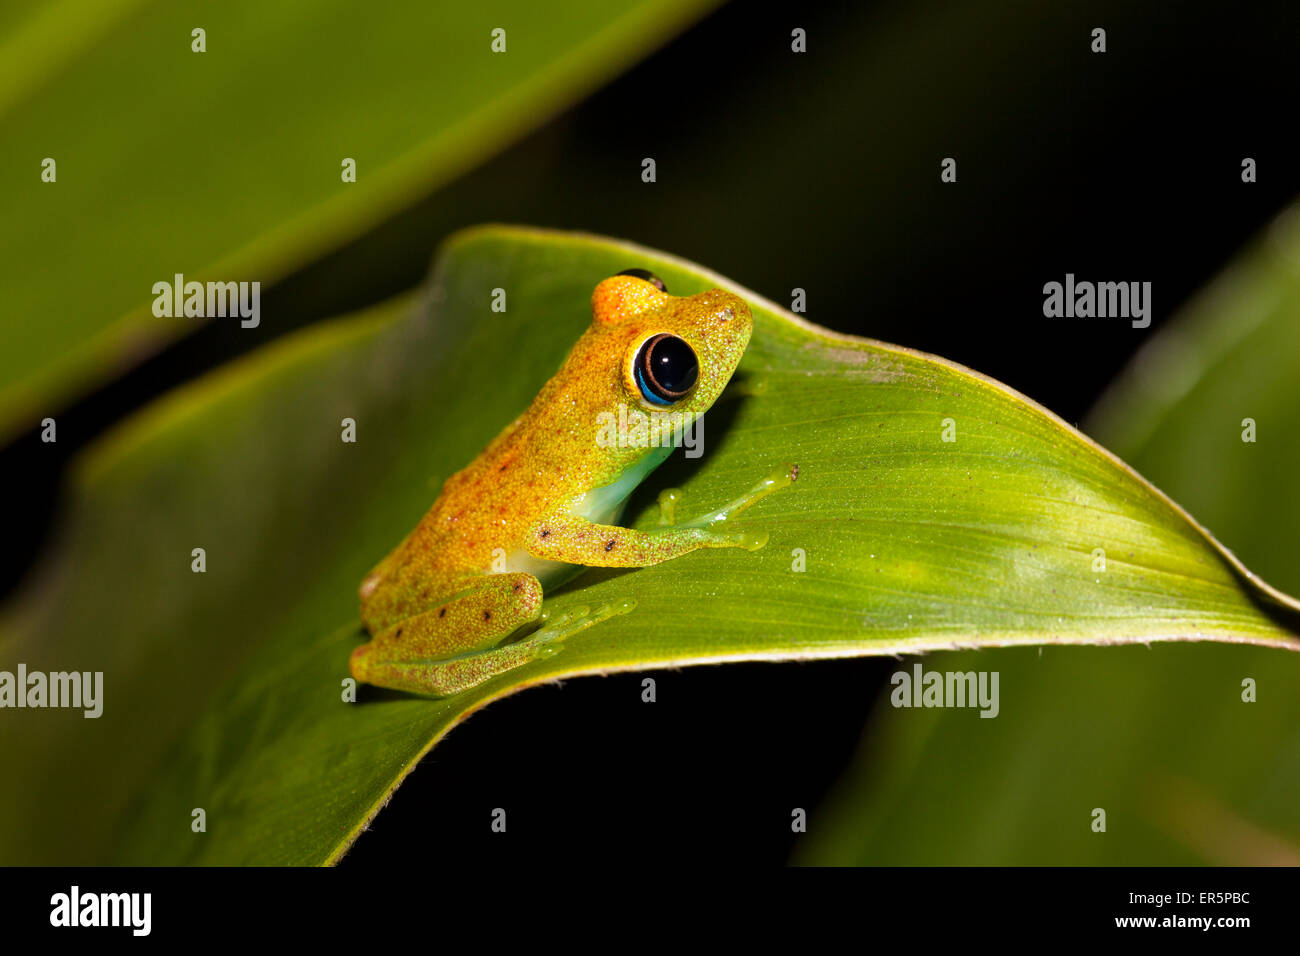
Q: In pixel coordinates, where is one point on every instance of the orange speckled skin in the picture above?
(435, 600)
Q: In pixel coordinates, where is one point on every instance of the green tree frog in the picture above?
(542, 501)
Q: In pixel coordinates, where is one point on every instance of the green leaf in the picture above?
(223, 689)
(1160, 738)
(226, 164)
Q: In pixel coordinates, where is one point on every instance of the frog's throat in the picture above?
(605, 505)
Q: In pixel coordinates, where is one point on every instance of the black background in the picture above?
(1120, 166)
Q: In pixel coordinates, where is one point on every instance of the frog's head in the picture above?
(675, 353)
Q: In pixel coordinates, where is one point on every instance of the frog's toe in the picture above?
(580, 618)
(358, 663)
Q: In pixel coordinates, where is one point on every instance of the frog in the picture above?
(459, 600)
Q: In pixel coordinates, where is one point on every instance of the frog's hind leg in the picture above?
(445, 650)
(461, 673)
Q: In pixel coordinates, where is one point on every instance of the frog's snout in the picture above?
(726, 308)
(731, 319)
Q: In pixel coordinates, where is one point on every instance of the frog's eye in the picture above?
(665, 369)
(648, 276)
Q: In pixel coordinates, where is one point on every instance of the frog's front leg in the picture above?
(575, 540)
(450, 647)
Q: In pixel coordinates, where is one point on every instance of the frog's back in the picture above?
(491, 502)
(525, 473)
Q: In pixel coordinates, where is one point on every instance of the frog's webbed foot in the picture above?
(782, 477)
(558, 627)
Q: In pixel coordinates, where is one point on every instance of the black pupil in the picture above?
(648, 276)
(672, 365)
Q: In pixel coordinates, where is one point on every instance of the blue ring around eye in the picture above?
(645, 389)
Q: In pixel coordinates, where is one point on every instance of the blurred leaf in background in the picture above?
(1159, 737)
(227, 164)
(892, 539)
